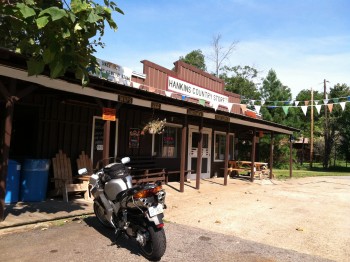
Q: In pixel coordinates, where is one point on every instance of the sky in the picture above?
(303, 41)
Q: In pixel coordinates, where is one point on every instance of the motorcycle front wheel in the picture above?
(155, 245)
(100, 214)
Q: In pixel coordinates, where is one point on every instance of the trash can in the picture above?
(12, 182)
(34, 177)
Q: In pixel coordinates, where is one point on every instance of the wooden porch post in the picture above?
(106, 140)
(227, 150)
(6, 141)
(271, 153)
(199, 155)
(183, 155)
(253, 156)
(290, 156)
(10, 95)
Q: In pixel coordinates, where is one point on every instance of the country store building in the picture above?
(204, 123)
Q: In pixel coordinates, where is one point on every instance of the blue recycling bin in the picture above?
(12, 182)
(34, 178)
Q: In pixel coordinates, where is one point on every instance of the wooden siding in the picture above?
(157, 77)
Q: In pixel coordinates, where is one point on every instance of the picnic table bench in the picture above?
(235, 167)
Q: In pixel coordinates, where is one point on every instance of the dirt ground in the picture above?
(307, 215)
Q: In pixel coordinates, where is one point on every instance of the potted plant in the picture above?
(154, 126)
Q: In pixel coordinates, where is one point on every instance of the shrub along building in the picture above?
(203, 122)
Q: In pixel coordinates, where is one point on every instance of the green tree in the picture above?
(195, 58)
(273, 90)
(339, 122)
(58, 34)
(54, 36)
(240, 80)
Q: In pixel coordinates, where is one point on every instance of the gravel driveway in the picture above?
(307, 215)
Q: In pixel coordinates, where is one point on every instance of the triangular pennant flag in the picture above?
(244, 107)
(330, 107)
(183, 97)
(335, 100)
(304, 108)
(306, 103)
(215, 105)
(135, 85)
(252, 101)
(342, 104)
(257, 108)
(325, 101)
(285, 109)
(229, 106)
(296, 103)
(316, 102)
(275, 103)
(318, 107)
(168, 93)
(201, 102)
(263, 102)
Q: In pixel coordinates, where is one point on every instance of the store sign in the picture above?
(222, 118)
(109, 114)
(125, 99)
(194, 113)
(113, 72)
(193, 91)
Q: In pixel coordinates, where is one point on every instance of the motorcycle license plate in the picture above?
(153, 211)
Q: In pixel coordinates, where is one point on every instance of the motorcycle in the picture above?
(135, 212)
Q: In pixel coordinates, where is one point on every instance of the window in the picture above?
(165, 144)
(220, 146)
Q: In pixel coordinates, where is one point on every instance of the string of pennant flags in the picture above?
(258, 104)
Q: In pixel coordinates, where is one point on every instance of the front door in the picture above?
(193, 139)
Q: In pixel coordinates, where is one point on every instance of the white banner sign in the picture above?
(193, 91)
(114, 73)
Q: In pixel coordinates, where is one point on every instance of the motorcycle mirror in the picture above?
(125, 160)
(82, 171)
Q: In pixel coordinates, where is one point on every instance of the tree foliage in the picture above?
(241, 80)
(340, 122)
(55, 34)
(195, 58)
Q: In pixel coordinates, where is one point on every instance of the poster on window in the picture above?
(134, 138)
(169, 138)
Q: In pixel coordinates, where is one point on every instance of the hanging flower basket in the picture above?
(154, 127)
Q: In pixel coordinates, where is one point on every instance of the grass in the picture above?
(316, 170)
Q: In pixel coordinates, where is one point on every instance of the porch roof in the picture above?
(13, 66)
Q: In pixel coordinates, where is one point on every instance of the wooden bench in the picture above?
(144, 170)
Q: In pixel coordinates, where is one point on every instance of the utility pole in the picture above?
(326, 136)
(312, 129)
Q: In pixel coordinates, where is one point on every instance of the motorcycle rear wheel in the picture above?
(155, 246)
(100, 214)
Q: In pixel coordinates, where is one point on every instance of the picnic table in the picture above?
(237, 166)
